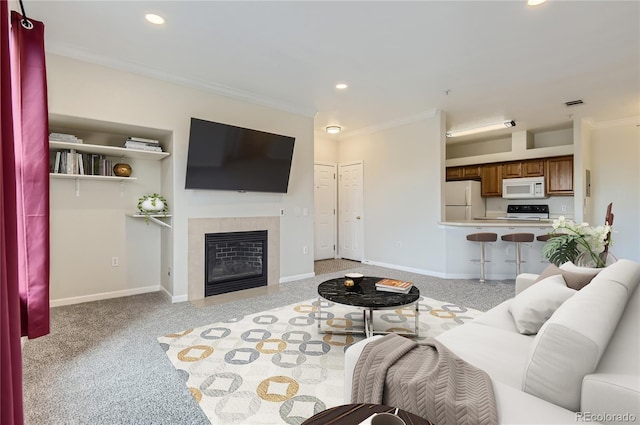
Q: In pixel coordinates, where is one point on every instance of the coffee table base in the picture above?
(368, 321)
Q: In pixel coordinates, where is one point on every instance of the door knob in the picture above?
(357, 217)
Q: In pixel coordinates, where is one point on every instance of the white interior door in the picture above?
(324, 220)
(351, 229)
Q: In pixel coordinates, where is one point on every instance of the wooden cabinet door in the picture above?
(533, 168)
(559, 175)
(471, 172)
(492, 180)
(512, 170)
(453, 173)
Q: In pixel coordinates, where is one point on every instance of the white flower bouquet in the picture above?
(570, 240)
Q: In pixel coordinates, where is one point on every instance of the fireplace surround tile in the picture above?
(198, 227)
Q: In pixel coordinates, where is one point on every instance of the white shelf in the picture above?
(154, 218)
(109, 150)
(89, 177)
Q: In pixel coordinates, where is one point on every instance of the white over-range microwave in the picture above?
(523, 188)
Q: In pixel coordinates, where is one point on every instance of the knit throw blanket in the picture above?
(425, 379)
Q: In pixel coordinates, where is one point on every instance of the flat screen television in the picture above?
(226, 157)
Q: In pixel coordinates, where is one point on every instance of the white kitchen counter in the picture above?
(542, 224)
(462, 255)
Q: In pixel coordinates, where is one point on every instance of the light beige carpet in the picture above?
(274, 367)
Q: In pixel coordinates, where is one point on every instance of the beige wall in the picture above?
(403, 171)
(325, 148)
(88, 91)
(615, 177)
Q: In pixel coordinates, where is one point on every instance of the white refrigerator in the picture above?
(463, 200)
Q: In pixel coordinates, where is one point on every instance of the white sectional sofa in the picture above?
(582, 366)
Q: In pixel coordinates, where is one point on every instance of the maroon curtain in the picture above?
(31, 148)
(10, 352)
(24, 202)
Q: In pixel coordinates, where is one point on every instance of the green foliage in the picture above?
(561, 248)
(153, 197)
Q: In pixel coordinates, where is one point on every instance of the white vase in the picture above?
(148, 205)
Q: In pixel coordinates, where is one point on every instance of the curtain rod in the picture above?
(25, 22)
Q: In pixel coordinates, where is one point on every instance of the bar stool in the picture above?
(544, 238)
(482, 238)
(518, 238)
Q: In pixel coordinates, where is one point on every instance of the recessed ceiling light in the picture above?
(341, 86)
(154, 19)
(333, 129)
(535, 2)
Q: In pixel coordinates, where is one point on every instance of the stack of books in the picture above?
(69, 161)
(143, 144)
(392, 285)
(63, 137)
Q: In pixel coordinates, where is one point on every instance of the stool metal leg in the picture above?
(517, 258)
(481, 262)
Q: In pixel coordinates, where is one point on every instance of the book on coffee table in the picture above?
(393, 285)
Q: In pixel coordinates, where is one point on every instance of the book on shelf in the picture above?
(393, 285)
(142, 146)
(143, 140)
(63, 137)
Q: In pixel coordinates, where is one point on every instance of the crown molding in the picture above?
(62, 49)
(616, 123)
(390, 124)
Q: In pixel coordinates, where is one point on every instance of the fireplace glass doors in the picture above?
(235, 261)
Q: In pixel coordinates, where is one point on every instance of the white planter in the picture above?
(148, 205)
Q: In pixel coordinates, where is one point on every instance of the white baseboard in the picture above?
(103, 296)
(296, 277)
(175, 298)
(438, 274)
(405, 269)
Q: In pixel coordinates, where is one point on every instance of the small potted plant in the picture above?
(151, 205)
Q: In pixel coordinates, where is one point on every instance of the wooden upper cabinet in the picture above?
(471, 172)
(511, 170)
(454, 173)
(533, 168)
(491, 180)
(468, 172)
(559, 175)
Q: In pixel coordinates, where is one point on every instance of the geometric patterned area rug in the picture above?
(274, 367)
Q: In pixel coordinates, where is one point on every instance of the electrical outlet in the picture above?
(115, 262)
(564, 208)
(509, 250)
(305, 250)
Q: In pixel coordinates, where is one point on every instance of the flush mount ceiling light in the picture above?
(333, 129)
(341, 86)
(154, 19)
(489, 127)
(535, 2)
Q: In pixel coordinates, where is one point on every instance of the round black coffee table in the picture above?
(368, 298)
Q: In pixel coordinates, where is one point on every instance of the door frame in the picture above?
(362, 237)
(334, 206)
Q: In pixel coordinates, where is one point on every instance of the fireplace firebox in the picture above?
(235, 261)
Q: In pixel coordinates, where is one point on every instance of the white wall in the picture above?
(325, 148)
(403, 171)
(615, 177)
(80, 89)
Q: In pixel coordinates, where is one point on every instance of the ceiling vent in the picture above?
(574, 102)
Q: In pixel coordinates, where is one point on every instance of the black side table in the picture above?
(353, 414)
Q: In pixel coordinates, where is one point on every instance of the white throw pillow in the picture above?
(535, 305)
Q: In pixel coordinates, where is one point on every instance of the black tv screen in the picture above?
(226, 157)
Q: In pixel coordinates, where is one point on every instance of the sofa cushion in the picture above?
(500, 353)
(533, 306)
(574, 277)
(570, 344)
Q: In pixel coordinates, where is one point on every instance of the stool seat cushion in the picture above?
(482, 237)
(518, 237)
